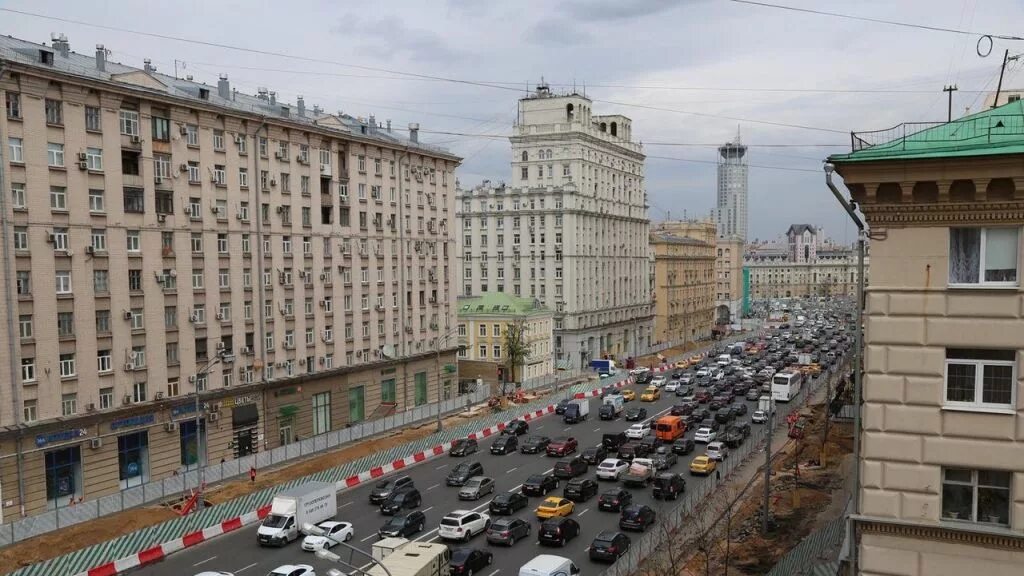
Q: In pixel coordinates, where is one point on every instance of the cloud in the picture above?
(556, 32)
(613, 10)
(391, 39)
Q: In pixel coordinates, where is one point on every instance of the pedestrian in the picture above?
(718, 475)
(252, 474)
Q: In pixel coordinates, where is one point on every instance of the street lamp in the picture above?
(204, 373)
(325, 554)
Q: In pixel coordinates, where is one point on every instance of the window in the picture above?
(54, 112)
(93, 119)
(28, 370)
(524, 173)
(30, 411)
(58, 198)
(387, 391)
(483, 351)
(243, 177)
(21, 238)
(138, 392)
(983, 256)
(129, 120)
(171, 349)
(133, 458)
(17, 149)
(161, 129)
(976, 495)
(192, 134)
(101, 281)
(25, 326)
(67, 365)
(421, 388)
(197, 280)
(68, 404)
(134, 241)
(55, 154)
(197, 242)
(104, 363)
(321, 413)
(264, 146)
(62, 279)
(138, 321)
(223, 279)
(12, 103)
(106, 398)
(65, 324)
(218, 140)
(96, 203)
(496, 351)
(103, 321)
(980, 378)
(483, 329)
(94, 159)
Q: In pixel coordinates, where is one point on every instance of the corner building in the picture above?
(163, 237)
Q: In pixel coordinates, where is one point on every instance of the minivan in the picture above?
(549, 565)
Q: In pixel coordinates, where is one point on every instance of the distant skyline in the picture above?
(687, 73)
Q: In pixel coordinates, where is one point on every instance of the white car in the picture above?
(293, 570)
(716, 451)
(703, 372)
(705, 435)
(334, 532)
(658, 381)
(638, 431)
(672, 386)
(638, 371)
(611, 468)
(759, 417)
(463, 525)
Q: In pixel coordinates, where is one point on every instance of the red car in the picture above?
(703, 396)
(562, 445)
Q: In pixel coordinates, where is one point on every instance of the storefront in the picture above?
(245, 418)
(133, 450)
(63, 467)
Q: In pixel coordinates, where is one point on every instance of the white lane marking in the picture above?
(597, 429)
(538, 427)
(495, 572)
(246, 568)
(425, 510)
(368, 538)
(205, 561)
(439, 467)
(346, 504)
(511, 470)
(429, 488)
(584, 512)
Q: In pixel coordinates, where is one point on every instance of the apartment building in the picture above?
(729, 284)
(942, 463)
(165, 238)
(805, 265)
(684, 281)
(571, 230)
(483, 323)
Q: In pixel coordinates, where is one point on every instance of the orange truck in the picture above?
(669, 428)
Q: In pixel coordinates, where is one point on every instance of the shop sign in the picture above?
(288, 391)
(62, 436)
(243, 400)
(141, 420)
(187, 409)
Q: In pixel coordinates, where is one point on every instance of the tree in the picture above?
(517, 349)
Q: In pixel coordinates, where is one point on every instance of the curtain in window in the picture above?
(1001, 255)
(964, 254)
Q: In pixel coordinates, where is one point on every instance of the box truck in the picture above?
(603, 367)
(312, 502)
(617, 402)
(576, 411)
(404, 558)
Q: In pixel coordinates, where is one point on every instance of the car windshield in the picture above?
(460, 555)
(275, 521)
(396, 522)
(535, 479)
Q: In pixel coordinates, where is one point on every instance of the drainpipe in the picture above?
(404, 155)
(12, 351)
(857, 358)
(260, 265)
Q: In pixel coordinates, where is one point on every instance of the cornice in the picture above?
(945, 535)
(944, 214)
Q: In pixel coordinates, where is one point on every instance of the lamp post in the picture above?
(204, 374)
(325, 554)
(437, 349)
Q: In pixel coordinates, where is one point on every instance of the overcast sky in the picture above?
(619, 49)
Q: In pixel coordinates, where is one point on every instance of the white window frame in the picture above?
(62, 282)
(979, 385)
(97, 201)
(104, 361)
(133, 241)
(981, 262)
(975, 485)
(58, 198)
(67, 365)
(94, 159)
(129, 122)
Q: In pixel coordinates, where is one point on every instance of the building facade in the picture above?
(571, 231)
(288, 266)
(684, 281)
(804, 265)
(731, 209)
(483, 322)
(728, 280)
(942, 461)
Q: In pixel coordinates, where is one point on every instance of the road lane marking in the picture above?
(511, 470)
(598, 429)
(205, 561)
(246, 568)
(368, 538)
(425, 510)
(584, 512)
(567, 428)
(346, 504)
(495, 572)
(432, 487)
(439, 467)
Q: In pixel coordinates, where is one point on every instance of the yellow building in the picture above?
(482, 327)
(728, 279)
(684, 280)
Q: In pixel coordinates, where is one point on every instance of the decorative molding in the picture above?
(953, 535)
(944, 214)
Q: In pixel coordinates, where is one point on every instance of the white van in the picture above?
(549, 565)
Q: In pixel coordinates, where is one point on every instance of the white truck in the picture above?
(617, 402)
(404, 558)
(312, 503)
(765, 404)
(577, 411)
(549, 565)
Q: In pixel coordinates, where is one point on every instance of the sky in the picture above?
(689, 73)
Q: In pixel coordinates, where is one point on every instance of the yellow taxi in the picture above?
(651, 393)
(695, 359)
(554, 506)
(682, 364)
(702, 465)
(628, 395)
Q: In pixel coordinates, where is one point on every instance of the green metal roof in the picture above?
(993, 131)
(499, 304)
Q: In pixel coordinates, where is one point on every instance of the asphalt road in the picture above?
(239, 554)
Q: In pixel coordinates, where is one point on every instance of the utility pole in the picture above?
(950, 90)
(1002, 70)
(768, 466)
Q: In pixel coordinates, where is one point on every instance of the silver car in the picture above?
(476, 488)
(716, 451)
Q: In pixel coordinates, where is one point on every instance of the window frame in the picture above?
(982, 283)
(978, 404)
(975, 486)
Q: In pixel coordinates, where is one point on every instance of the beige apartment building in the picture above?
(728, 280)
(806, 265)
(684, 281)
(942, 465)
(483, 323)
(164, 236)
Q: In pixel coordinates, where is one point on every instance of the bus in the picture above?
(786, 385)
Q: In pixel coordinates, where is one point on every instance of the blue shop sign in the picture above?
(62, 436)
(133, 421)
(186, 409)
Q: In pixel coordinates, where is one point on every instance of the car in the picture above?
(516, 428)
(716, 451)
(702, 396)
(683, 446)
(710, 423)
(639, 370)
(606, 412)
(504, 445)
(650, 394)
(462, 525)
(403, 525)
(334, 532)
(609, 546)
(759, 417)
(402, 500)
(508, 531)
(637, 517)
(614, 500)
(561, 446)
(476, 488)
(682, 409)
(611, 469)
(292, 570)
(534, 444)
(664, 458)
(739, 409)
(630, 450)
(716, 404)
(469, 561)
(658, 381)
(562, 405)
(580, 489)
(647, 445)
(685, 392)
(554, 506)
(672, 386)
(724, 417)
(463, 447)
(705, 435)
(384, 488)
(638, 431)
(636, 414)
(702, 465)
(507, 503)
(644, 378)
(668, 486)
(753, 394)
(628, 395)
(557, 531)
(463, 472)
(594, 454)
(570, 468)
(539, 484)
(613, 440)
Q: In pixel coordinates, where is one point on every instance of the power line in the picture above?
(762, 166)
(676, 144)
(721, 116)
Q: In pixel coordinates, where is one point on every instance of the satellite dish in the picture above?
(387, 351)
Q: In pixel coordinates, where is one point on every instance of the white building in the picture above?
(571, 231)
(731, 209)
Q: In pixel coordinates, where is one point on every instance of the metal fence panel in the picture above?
(77, 513)
(152, 491)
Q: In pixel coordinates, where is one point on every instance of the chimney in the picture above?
(373, 124)
(60, 44)
(148, 66)
(273, 98)
(317, 109)
(389, 126)
(414, 132)
(301, 103)
(101, 58)
(224, 87)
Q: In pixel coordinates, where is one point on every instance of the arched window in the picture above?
(807, 253)
(615, 129)
(525, 156)
(549, 154)
(603, 127)
(569, 110)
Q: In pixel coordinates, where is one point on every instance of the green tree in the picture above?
(517, 349)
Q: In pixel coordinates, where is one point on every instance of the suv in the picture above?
(570, 468)
(534, 444)
(614, 500)
(539, 484)
(463, 472)
(504, 444)
(403, 525)
(507, 531)
(557, 531)
(683, 446)
(516, 428)
(463, 447)
(403, 499)
(716, 451)
(384, 488)
(562, 446)
(613, 441)
(462, 525)
(669, 486)
(594, 454)
(580, 489)
(609, 546)
(636, 517)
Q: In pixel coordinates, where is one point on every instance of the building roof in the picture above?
(499, 304)
(995, 131)
(670, 238)
(800, 229)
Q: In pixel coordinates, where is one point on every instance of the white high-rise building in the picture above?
(731, 211)
(571, 231)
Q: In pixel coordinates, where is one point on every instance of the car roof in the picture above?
(610, 461)
(457, 513)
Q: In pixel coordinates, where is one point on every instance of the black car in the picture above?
(636, 414)
(570, 468)
(647, 445)
(534, 445)
(609, 546)
(580, 489)
(668, 486)
(469, 560)
(507, 531)
(403, 525)
(463, 447)
(725, 417)
(384, 488)
(636, 517)
(516, 428)
(594, 455)
(558, 531)
(606, 412)
(463, 472)
(562, 405)
(684, 391)
(507, 503)
(614, 500)
(681, 410)
(683, 446)
(710, 423)
(702, 413)
(739, 409)
(504, 444)
(539, 484)
(613, 441)
(716, 404)
(644, 377)
(678, 374)
(401, 500)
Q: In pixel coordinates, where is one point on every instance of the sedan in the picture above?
(658, 381)
(650, 394)
(702, 465)
(561, 446)
(609, 469)
(638, 431)
(681, 410)
(628, 395)
(672, 386)
(554, 506)
(705, 435)
(516, 428)
(636, 414)
(759, 417)
(580, 489)
(683, 446)
(476, 488)
(293, 570)
(753, 394)
(609, 546)
(334, 532)
(739, 409)
(539, 484)
(469, 561)
(507, 503)
(508, 531)
(463, 447)
(716, 451)
(534, 444)
(614, 500)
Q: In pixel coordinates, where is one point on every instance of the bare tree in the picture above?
(517, 350)
(672, 555)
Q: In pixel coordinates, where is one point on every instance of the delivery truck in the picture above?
(617, 402)
(401, 557)
(312, 503)
(603, 367)
(576, 411)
